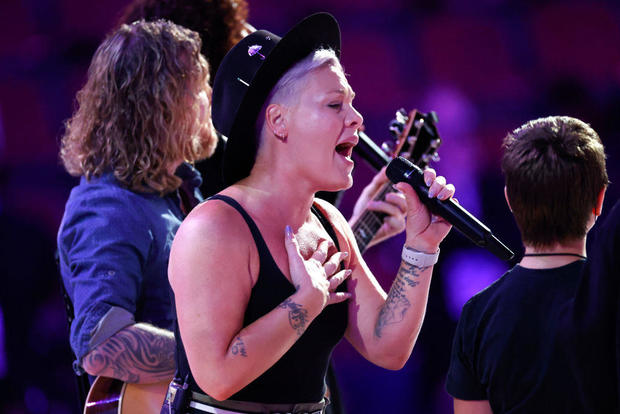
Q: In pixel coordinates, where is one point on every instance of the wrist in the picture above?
(310, 300)
(419, 258)
(419, 245)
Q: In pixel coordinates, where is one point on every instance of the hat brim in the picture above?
(317, 31)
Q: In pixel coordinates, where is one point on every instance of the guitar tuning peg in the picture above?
(396, 127)
(433, 116)
(426, 158)
(419, 123)
(387, 147)
(435, 143)
(401, 116)
(435, 157)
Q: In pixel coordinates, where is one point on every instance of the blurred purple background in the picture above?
(485, 67)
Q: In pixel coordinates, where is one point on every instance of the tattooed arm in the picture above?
(139, 353)
(214, 253)
(384, 327)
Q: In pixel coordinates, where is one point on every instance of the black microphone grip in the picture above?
(370, 152)
(402, 170)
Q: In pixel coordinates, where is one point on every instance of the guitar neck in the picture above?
(418, 141)
(369, 223)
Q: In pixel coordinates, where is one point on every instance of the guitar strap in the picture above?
(177, 397)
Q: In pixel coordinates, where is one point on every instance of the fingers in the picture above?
(395, 204)
(446, 192)
(397, 199)
(334, 282)
(337, 279)
(380, 177)
(369, 191)
(334, 262)
(320, 254)
(292, 247)
(429, 176)
(413, 201)
(440, 189)
(337, 297)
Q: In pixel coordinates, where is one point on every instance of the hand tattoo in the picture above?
(238, 347)
(297, 315)
(397, 304)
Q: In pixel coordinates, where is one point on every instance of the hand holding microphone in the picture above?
(402, 170)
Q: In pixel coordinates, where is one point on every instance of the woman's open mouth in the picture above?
(345, 149)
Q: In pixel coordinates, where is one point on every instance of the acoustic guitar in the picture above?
(113, 396)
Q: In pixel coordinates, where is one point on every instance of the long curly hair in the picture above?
(220, 23)
(139, 113)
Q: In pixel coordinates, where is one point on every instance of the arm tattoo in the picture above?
(133, 354)
(238, 347)
(297, 315)
(397, 304)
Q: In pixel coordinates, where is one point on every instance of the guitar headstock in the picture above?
(416, 135)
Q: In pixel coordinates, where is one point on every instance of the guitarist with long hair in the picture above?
(142, 113)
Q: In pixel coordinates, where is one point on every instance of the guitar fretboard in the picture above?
(369, 223)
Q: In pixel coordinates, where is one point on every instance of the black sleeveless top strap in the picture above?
(298, 377)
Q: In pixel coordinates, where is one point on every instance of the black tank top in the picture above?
(298, 377)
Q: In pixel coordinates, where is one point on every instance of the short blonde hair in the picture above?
(138, 114)
(288, 86)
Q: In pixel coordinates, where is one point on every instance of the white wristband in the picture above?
(419, 259)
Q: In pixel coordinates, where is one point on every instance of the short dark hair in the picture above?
(555, 170)
(219, 23)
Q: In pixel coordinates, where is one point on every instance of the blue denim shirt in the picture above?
(113, 247)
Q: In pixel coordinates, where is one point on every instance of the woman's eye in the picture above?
(335, 105)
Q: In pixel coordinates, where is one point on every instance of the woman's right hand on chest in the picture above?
(317, 278)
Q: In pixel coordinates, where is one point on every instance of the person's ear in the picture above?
(599, 202)
(506, 197)
(275, 121)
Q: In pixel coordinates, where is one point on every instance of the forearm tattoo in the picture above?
(238, 347)
(297, 315)
(397, 304)
(134, 354)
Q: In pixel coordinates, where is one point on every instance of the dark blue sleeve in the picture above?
(462, 381)
(103, 242)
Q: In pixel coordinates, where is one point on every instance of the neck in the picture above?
(277, 200)
(557, 255)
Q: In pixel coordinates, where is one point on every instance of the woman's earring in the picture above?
(280, 135)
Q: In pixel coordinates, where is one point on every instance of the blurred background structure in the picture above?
(485, 67)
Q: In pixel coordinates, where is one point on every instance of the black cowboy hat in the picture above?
(247, 75)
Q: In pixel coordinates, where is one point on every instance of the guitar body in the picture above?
(112, 396)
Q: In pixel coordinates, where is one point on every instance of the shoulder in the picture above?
(337, 220)
(214, 217)
(106, 195)
(102, 207)
(213, 235)
(332, 214)
(490, 294)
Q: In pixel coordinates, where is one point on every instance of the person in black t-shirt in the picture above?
(509, 352)
(591, 328)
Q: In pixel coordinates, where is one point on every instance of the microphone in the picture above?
(400, 169)
(370, 152)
